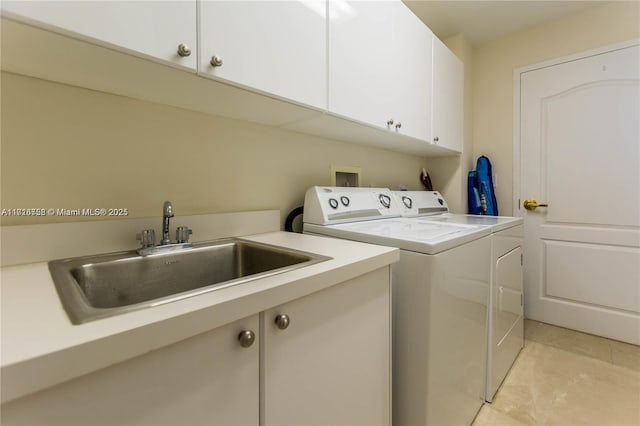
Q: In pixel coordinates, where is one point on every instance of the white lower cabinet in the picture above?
(329, 366)
(208, 379)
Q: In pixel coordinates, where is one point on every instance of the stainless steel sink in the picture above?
(93, 287)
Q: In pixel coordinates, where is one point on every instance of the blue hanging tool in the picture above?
(480, 192)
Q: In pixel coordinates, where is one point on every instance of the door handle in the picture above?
(531, 204)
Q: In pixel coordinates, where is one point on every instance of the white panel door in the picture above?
(580, 154)
(276, 47)
(151, 29)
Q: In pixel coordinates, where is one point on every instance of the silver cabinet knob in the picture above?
(282, 321)
(246, 338)
(398, 125)
(216, 61)
(183, 50)
(390, 122)
(436, 139)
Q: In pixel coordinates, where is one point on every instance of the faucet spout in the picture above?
(167, 213)
(148, 237)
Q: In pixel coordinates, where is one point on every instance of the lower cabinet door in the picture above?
(208, 379)
(326, 357)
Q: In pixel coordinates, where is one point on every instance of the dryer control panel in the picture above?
(328, 205)
(420, 203)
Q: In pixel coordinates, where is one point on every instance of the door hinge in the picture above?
(521, 259)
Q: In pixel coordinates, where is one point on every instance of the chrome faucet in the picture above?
(148, 238)
(167, 214)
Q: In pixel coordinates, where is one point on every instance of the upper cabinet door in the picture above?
(275, 47)
(448, 98)
(158, 30)
(412, 74)
(380, 66)
(361, 61)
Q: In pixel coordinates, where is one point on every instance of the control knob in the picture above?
(408, 202)
(385, 200)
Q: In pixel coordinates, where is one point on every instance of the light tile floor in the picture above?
(567, 378)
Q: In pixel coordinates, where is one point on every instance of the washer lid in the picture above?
(406, 234)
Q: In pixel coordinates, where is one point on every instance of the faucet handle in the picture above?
(147, 238)
(182, 234)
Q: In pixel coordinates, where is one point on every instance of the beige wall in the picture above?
(494, 63)
(66, 147)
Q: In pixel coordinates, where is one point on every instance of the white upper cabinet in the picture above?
(411, 81)
(448, 98)
(163, 31)
(278, 48)
(360, 61)
(380, 66)
(367, 72)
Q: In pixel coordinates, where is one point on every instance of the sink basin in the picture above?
(93, 287)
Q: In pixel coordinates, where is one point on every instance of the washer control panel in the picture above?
(327, 205)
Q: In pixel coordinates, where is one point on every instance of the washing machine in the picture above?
(505, 321)
(440, 299)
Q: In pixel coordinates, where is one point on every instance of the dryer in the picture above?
(439, 304)
(505, 320)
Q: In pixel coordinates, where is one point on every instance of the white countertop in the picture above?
(41, 348)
